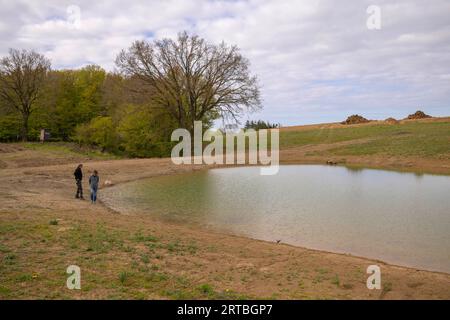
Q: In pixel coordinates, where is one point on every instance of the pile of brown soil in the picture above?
(418, 115)
(391, 120)
(355, 119)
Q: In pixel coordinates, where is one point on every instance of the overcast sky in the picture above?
(317, 61)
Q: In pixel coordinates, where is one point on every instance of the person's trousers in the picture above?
(93, 194)
(79, 193)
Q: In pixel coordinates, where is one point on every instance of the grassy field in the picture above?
(428, 139)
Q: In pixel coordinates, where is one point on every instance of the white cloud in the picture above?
(316, 60)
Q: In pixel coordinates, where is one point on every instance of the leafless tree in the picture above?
(193, 79)
(22, 74)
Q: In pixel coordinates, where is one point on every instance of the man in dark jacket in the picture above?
(78, 177)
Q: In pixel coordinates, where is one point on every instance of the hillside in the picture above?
(415, 145)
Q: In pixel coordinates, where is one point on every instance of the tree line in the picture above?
(260, 124)
(158, 86)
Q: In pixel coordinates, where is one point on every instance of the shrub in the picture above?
(9, 127)
(145, 132)
(100, 132)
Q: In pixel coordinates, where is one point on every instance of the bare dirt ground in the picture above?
(43, 229)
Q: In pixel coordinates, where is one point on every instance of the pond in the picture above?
(400, 218)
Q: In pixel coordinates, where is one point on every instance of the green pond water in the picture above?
(400, 218)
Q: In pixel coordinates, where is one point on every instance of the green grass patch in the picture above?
(124, 276)
(9, 259)
(336, 281)
(139, 237)
(4, 249)
(206, 289)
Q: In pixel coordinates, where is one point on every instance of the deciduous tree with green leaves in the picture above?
(192, 78)
(22, 75)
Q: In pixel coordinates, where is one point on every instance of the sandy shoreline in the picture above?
(262, 270)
